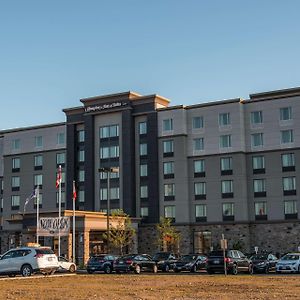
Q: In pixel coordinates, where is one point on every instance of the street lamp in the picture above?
(108, 171)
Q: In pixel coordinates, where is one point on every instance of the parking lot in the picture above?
(151, 286)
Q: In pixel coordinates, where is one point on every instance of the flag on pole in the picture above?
(74, 191)
(33, 195)
(58, 177)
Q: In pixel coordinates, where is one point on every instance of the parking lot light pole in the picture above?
(108, 171)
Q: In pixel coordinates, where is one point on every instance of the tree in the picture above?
(121, 231)
(168, 237)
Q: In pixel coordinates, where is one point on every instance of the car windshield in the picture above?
(44, 251)
(187, 258)
(161, 256)
(290, 257)
(259, 257)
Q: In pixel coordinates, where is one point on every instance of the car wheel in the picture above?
(167, 268)
(251, 269)
(155, 269)
(72, 269)
(107, 269)
(267, 270)
(137, 269)
(194, 269)
(26, 271)
(176, 270)
(234, 270)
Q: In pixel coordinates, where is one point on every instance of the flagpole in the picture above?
(73, 242)
(37, 213)
(59, 209)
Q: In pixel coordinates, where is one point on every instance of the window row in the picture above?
(38, 141)
(224, 119)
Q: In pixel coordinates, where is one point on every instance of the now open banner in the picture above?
(54, 226)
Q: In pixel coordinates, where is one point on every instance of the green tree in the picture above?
(121, 231)
(168, 238)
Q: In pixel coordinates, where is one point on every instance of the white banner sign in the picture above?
(51, 226)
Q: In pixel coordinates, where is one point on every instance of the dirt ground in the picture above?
(125, 287)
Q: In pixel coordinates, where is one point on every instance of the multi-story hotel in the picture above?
(226, 167)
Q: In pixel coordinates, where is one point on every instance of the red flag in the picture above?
(74, 191)
(58, 177)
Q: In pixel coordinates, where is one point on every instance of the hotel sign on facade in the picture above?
(97, 108)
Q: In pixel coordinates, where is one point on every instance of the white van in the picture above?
(28, 260)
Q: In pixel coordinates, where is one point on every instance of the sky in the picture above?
(55, 52)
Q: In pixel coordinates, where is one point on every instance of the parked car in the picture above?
(289, 263)
(264, 263)
(235, 260)
(28, 260)
(136, 263)
(104, 263)
(164, 260)
(191, 263)
(65, 265)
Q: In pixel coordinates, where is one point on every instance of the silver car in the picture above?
(289, 263)
(28, 260)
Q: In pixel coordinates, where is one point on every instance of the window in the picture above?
(81, 175)
(15, 202)
(81, 196)
(16, 164)
(170, 212)
(169, 191)
(114, 193)
(144, 212)
(109, 131)
(114, 151)
(60, 138)
(63, 199)
(109, 152)
(60, 158)
(40, 201)
(103, 175)
(168, 125)
(38, 141)
(259, 187)
(289, 186)
(38, 180)
(256, 117)
(288, 162)
(81, 155)
(285, 113)
(143, 149)
(290, 209)
(200, 190)
(143, 170)
(198, 122)
(228, 211)
(15, 183)
(200, 210)
(168, 148)
(287, 136)
(103, 194)
(260, 210)
(168, 169)
(143, 191)
(16, 144)
(258, 164)
(80, 136)
(225, 141)
(38, 162)
(226, 165)
(227, 188)
(257, 139)
(104, 152)
(224, 119)
(142, 128)
(198, 144)
(199, 168)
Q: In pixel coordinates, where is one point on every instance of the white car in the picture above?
(65, 265)
(28, 260)
(289, 263)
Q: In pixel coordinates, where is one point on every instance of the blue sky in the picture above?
(52, 53)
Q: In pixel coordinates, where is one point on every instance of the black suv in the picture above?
(235, 260)
(165, 261)
(103, 263)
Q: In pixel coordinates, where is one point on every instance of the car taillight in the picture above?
(129, 261)
(227, 260)
(39, 255)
